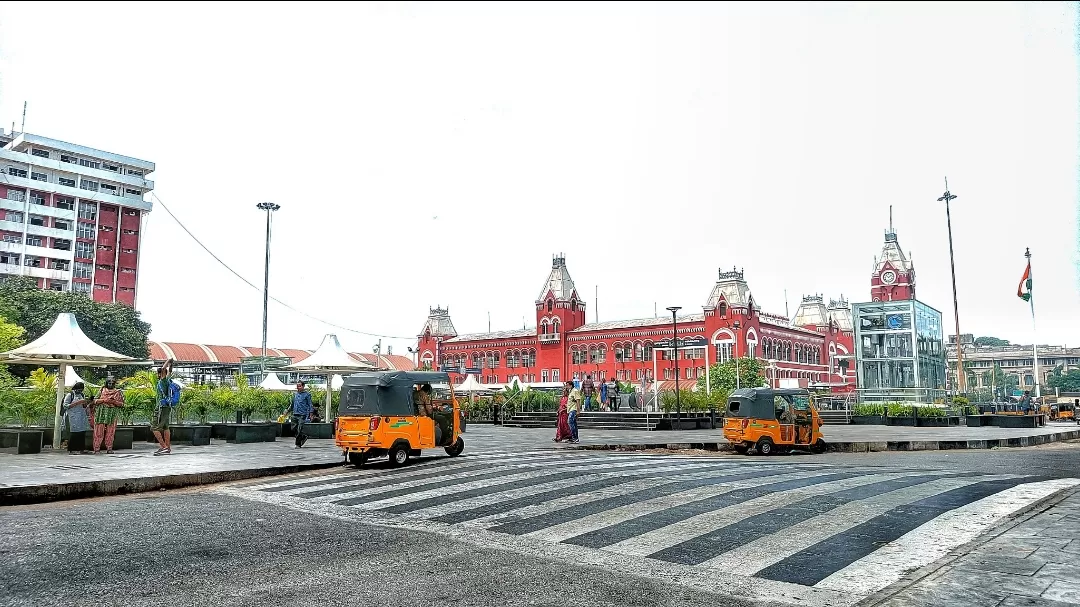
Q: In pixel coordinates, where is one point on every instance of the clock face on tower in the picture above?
(888, 277)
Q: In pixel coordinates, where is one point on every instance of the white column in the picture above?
(61, 376)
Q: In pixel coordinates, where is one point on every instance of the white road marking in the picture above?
(936, 538)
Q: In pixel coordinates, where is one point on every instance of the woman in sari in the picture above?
(562, 429)
(106, 413)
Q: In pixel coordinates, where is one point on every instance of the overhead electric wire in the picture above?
(257, 288)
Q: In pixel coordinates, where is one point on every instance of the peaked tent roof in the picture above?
(65, 342)
(469, 385)
(71, 378)
(273, 383)
(330, 357)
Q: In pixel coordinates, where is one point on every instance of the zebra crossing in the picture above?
(783, 530)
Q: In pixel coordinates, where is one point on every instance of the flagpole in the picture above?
(1034, 332)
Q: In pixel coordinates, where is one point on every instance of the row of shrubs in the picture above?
(200, 403)
(909, 410)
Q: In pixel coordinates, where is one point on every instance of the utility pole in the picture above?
(269, 207)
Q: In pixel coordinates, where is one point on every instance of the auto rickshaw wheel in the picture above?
(357, 458)
(399, 455)
(455, 449)
(765, 447)
(819, 446)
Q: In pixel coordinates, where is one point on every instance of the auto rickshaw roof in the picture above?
(758, 403)
(395, 378)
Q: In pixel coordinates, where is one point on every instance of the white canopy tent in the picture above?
(329, 359)
(469, 385)
(64, 345)
(73, 378)
(272, 383)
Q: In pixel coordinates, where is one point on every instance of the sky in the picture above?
(439, 154)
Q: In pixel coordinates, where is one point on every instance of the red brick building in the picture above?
(731, 323)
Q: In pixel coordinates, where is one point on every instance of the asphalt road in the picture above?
(348, 537)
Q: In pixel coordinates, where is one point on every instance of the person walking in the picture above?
(106, 413)
(603, 396)
(77, 416)
(301, 412)
(573, 406)
(168, 396)
(562, 427)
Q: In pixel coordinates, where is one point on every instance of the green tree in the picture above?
(990, 341)
(1066, 382)
(114, 326)
(11, 337)
(722, 377)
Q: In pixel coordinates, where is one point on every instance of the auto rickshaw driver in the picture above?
(422, 399)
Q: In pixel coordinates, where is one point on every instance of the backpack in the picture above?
(174, 394)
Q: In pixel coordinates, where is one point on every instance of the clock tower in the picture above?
(893, 277)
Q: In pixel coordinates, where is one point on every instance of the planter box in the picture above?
(122, 439)
(139, 434)
(935, 422)
(252, 433)
(900, 421)
(868, 420)
(195, 436)
(222, 431)
(22, 441)
(976, 421)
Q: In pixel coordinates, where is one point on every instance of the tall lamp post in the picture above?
(269, 207)
(675, 351)
(738, 382)
(961, 377)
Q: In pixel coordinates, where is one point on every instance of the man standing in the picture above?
(613, 394)
(573, 406)
(167, 397)
(301, 412)
(588, 388)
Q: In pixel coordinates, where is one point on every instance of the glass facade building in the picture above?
(899, 351)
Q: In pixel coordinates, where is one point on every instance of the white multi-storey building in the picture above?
(71, 216)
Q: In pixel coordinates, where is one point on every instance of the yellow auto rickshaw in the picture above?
(771, 420)
(1064, 411)
(397, 414)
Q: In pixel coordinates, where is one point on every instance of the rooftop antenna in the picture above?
(890, 218)
(596, 303)
(654, 310)
(787, 312)
(23, 129)
(489, 322)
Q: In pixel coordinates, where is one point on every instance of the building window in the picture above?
(131, 192)
(136, 173)
(66, 181)
(62, 224)
(724, 351)
(14, 216)
(36, 198)
(9, 258)
(555, 375)
(32, 240)
(60, 264)
(108, 188)
(16, 172)
(83, 270)
(111, 167)
(80, 287)
(106, 228)
(544, 375)
(62, 244)
(65, 202)
(129, 232)
(104, 266)
(32, 261)
(57, 285)
(86, 184)
(598, 354)
(133, 251)
(87, 210)
(101, 287)
(578, 356)
(40, 153)
(39, 176)
(90, 164)
(529, 359)
(16, 195)
(14, 238)
(85, 250)
(85, 230)
(69, 159)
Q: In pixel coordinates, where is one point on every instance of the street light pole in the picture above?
(675, 351)
(961, 377)
(269, 207)
(738, 383)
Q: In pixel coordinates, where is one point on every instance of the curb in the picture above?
(40, 494)
(859, 447)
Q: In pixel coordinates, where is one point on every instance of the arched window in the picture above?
(544, 327)
(530, 360)
(592, 354)
(601, 353)
(550, 304)
(647, 351)
(555, 326)
(511, 359)
(477, 360)
(578, 355)
(722, 310)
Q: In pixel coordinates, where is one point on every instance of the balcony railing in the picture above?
(549, 338)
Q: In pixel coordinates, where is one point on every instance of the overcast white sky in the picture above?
(439, 154)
